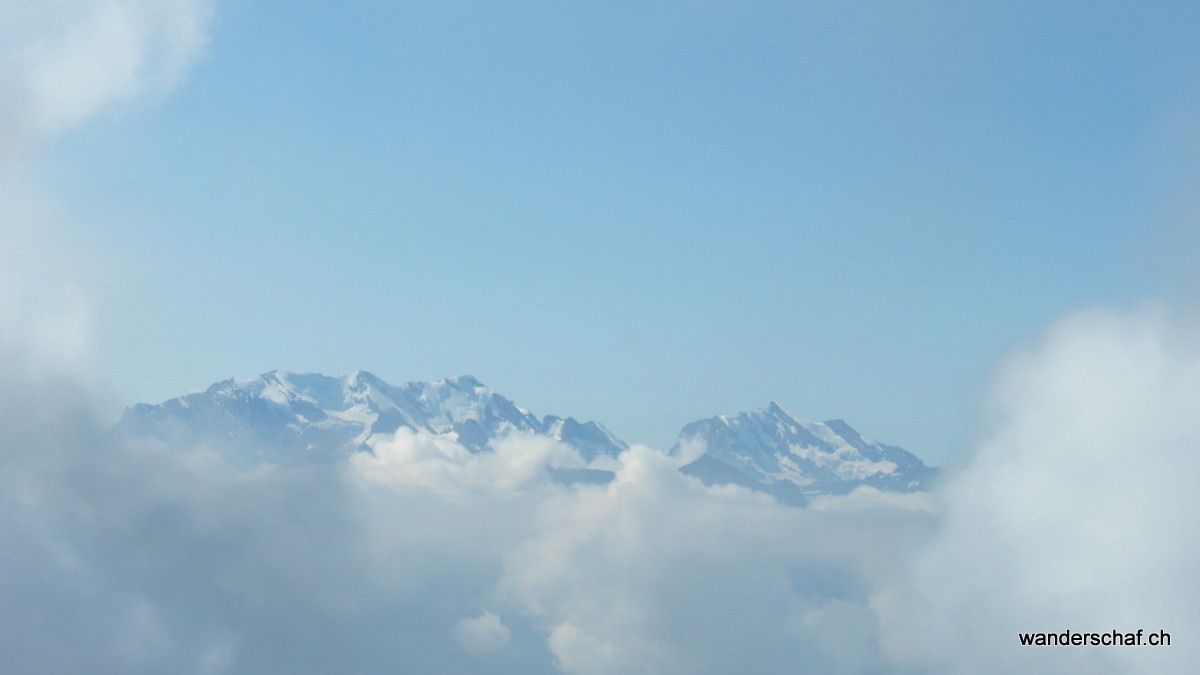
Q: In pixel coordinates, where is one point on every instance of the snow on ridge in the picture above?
(291, 412)
(291, 415)
(770, 445)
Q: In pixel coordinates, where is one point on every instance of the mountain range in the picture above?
(286, 417)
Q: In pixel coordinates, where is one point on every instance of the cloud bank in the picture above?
(1078, 510)
(138, 557)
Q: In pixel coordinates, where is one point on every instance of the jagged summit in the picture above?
(284, 414)
(770, 445)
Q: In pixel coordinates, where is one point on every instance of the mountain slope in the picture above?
(282, 416)
(771, 446)
(285, 417)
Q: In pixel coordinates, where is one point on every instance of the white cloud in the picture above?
(1077, 512)
(657, 573)
(418, 459)
(64, 61)
(483, 633)
(1079, 509)
(575, 651)
(146, 558)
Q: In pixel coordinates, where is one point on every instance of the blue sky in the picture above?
(643, 213)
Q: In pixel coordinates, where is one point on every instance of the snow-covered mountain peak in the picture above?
(769, 445)
(463, 383)
(284, 414)
(775, 410)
